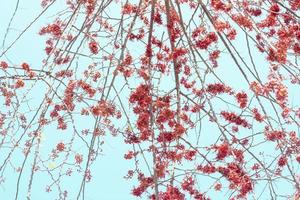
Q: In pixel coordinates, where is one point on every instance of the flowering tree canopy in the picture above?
(203, 94)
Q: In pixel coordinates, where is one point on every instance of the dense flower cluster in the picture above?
(238, 178)
(234, 118)
(93, 47)
(217, 88)
(141, 97)
(103, 109)
(54, 29)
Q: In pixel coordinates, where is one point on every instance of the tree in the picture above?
(204, 94)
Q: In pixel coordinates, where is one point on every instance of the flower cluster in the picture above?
(145, 182)
(238, 179)
(274, 135)
(93, 47)
(242, 99)
(60, 146)
(217, 88)
(54, 29)
(234, 118)
(19, 83)
(28, 70)
(103, 109)
(3, 65)
(124, 67)
(129, 9)
(210, 38)
(141, 97)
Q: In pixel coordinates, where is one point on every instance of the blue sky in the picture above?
(110, 168)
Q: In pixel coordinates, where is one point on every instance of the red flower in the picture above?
(157, 18)
(258, 117)
(243, 21)
(60, 146)
(129, 155)
(188, 185)
(26, 67)
(207, 169)
(3, 65)
(93, 47)
(172, 193)
(78, 158)
(19, 83)
(223, 151)
(129, 8)
(218, 186)
(104, 109)
(242, 99)
(53, 29)
(275, 135)
(237, 178)
(282, 161)
(233, 118)
(217, 88)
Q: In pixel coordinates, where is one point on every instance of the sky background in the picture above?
(108, 172)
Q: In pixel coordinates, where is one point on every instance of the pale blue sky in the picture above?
(107, 182)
